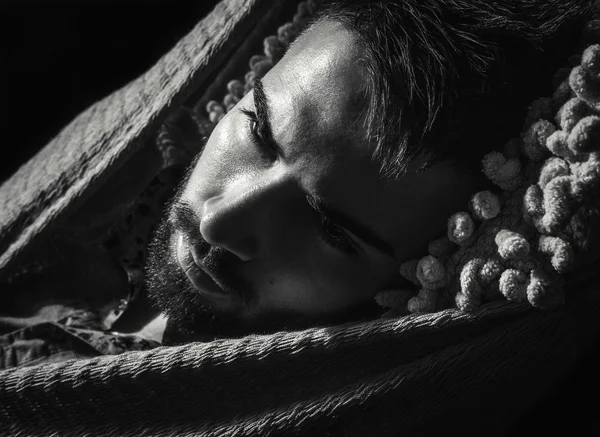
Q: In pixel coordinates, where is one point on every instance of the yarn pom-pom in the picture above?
(215, 111)
(560, 252)
(489, 272)
(236, 88)
(511, 245)
(543, 292)
(467, 303)
(506, 173)
(488, 277)
(571, 112)
(591, 32)
(441, 247)
(585, 135)
(260, 65)
(255, 59)
(590, 60)
(302, 17)
(460, 228)
(563, 93)
(541, 108)
(533, 204)
(553, 168)
(214, 106)
(513, 285)
(393, 298)
(230, 101)
(558, 199)
(560, 195)
(588, 172)
(215, 117)
(312, 5)
(584, 85)
(408, 269)
(469, 277)
(287, 33)
(485, 205)
(261, 68)
(274, 48)
(250, 78)
(431, 272)
(534, 139)
(557, 144)
(579, 225)
(303, 9)
(424, 302)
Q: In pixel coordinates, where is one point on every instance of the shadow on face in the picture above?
(285, 220)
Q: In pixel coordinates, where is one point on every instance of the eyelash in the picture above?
(256, 128)
(335, 237)
(330, 233)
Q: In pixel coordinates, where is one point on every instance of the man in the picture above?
(299, 209)
(346, 159)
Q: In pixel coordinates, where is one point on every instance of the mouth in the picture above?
(196, 273)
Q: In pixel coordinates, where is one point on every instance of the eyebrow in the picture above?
(361, 231)
(261, 103)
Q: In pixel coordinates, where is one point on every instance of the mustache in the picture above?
(221, 264)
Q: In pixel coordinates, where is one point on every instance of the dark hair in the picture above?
(452, 78)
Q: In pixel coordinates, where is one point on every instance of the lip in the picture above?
(200, 279)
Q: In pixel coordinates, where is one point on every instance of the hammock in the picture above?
(452, 370)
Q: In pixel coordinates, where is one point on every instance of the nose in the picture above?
(241, 217)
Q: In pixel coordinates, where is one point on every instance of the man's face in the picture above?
(284, 219)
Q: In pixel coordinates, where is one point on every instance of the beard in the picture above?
(191, 317)
(190, 314)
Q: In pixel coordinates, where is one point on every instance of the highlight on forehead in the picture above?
(361, 99)
(335, 87)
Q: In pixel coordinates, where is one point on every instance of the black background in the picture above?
(58, 57)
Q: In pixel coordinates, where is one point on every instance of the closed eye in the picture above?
(335, 236)
(261, 136)
(332, 233)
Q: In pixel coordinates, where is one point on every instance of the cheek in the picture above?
(317, 284)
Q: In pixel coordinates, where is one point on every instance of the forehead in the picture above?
(317, 104)
(315, 92)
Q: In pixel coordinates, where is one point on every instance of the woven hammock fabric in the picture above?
(459, 371)
(379, 378)
(57, 180)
